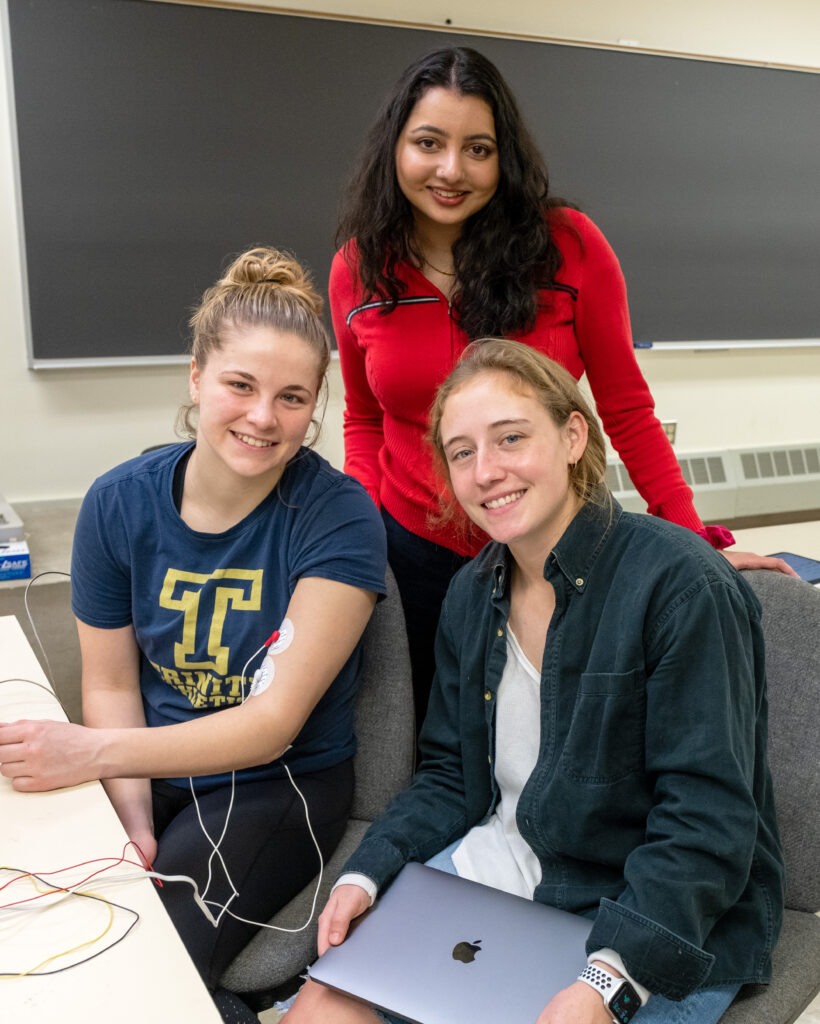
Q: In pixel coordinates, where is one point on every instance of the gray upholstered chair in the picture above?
(383, 765)
(791, 623)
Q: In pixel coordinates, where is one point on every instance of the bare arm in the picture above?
(111, 699)
(328, 618)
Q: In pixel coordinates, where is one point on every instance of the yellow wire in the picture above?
(74, 949)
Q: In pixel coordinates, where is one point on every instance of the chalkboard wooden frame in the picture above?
(154, 139)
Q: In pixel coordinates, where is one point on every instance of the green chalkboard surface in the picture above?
(157, 138)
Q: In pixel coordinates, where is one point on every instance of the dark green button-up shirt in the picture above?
(650, 807)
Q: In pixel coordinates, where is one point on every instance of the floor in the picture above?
(48, 528)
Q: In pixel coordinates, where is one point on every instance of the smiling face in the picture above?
(447, 159)
(509, 463)
(256, 395)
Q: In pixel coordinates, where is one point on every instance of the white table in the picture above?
(148, 976)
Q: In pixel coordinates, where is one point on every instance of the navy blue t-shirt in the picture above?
(202, 603)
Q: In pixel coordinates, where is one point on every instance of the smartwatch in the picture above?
(619, 997)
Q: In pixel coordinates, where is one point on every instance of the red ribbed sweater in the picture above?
(392, 365)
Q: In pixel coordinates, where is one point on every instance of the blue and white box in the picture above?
(15, 560)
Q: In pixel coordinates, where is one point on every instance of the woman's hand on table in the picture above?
(43, 755)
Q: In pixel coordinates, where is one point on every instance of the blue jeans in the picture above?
(706, 1006)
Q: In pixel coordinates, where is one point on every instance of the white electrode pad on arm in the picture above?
(281, 639)
(262, 677)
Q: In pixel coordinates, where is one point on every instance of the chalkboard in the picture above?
(155, 139)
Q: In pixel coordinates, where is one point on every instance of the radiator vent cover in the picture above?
(779, 462)
(738, 482)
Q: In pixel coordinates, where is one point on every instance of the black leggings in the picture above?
(423, 571)
(267, 849)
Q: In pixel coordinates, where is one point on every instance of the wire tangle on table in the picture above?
(35, 971)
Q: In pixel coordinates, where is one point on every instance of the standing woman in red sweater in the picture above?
(451, 235)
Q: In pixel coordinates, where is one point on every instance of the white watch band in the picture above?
(610, 960)
(602, 981)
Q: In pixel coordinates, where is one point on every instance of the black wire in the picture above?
(79, 963)
(84, 895)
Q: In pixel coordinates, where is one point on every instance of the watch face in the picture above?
(625, 1003)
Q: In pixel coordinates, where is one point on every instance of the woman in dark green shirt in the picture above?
(596, 735)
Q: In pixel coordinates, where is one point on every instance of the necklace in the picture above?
(438, 270)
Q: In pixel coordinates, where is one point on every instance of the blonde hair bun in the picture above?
(266, 265)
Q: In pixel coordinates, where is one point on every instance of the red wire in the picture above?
(29, 874)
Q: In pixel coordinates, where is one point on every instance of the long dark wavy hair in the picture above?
(505, 252)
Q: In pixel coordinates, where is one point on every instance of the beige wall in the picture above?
(750, 30)
(60, 428)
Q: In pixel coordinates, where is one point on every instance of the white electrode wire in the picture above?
(223, 909)
(31, 582)
(60, 891)
(215, 851)
(200, 899)
(301, 928)
(32, 682)
(201, 902)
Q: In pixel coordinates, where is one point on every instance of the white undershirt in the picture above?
(496, 853)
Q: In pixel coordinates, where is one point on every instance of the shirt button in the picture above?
(487, 695)
(501, 632)
(580, 581)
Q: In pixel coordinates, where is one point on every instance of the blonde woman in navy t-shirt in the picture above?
(185, 561)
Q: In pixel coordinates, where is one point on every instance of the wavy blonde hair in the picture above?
(551, 385)
(266, 287)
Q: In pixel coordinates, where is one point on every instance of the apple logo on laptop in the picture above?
(466, 951)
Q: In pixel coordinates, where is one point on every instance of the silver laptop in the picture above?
(439, 949)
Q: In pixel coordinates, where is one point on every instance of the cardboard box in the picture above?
(15, 561)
